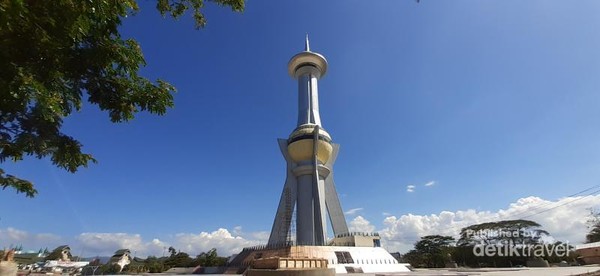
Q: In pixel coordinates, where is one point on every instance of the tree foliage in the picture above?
(56, 54)
(210, 258)
(512, 233)
(172, 251)
(506, 232)
(109, 269)
(594, 225)
(431, 251)
(154, 265)
(180, 259)
(437, 251)
(502, 232)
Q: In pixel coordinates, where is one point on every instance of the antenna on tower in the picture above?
(306, 44)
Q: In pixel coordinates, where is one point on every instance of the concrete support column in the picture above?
(308, 210)
(305, 227)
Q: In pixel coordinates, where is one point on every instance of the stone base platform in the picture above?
(343, 259)
(291, 272)
(278, 266)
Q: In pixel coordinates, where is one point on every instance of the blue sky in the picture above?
(494, 101)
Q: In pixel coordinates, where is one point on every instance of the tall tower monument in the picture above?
(309, 190)
(310, 154)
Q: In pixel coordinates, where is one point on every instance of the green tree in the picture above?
(172, 251)
(502, 232)
(517, 233)
(553, 257)
(180, 259)
(56, 54)
(154, 265)
(414, 258)
(210, 258)
(431, 251)
(594, 226)
(110, 269)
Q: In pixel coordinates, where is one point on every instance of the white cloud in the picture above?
(353, 211)
(386, 214)
(105, 244)
(429, 184)
(261, 237)
(410, 188)
(15, 234)
(12, 236)
(237, 230)
(360, 224)
(565, 223)
(221, 239)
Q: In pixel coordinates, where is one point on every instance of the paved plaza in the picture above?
(542, 271)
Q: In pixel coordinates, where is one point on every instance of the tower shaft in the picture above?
(308, 96)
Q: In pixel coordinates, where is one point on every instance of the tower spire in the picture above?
(306, 44)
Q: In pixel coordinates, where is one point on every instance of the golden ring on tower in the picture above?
(301, 144)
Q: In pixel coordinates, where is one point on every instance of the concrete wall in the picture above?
(359, 241)
(589, 255)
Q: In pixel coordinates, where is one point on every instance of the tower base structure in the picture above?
(343, 259)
